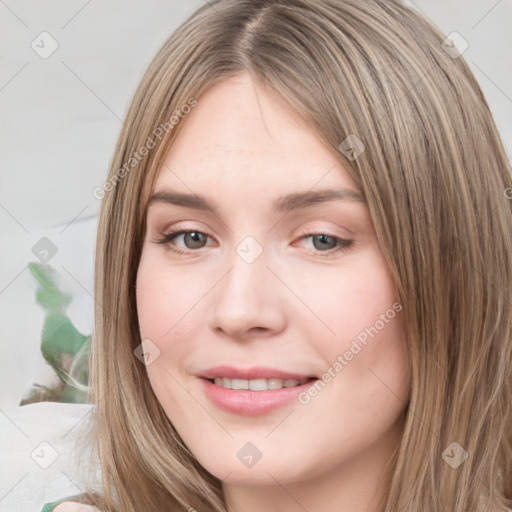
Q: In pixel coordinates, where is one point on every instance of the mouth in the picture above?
(259, 384)
(252, 392)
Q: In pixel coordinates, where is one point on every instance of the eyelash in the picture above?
(166, 239)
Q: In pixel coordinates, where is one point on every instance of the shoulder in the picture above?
(71, 506)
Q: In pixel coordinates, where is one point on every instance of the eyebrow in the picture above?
(284, 204)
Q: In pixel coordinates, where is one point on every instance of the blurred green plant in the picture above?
(62, 345)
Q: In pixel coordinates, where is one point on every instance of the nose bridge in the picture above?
(248, 276)
(246, 297)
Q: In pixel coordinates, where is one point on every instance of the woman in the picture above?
(303, 273)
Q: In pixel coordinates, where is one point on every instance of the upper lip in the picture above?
(255, 372)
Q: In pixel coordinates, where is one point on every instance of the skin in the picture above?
(74, 507)
(293, 308)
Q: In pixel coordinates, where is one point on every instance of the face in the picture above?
(269, 316)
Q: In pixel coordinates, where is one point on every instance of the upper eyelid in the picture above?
(162, 206)
(175, 233)
(312, 230)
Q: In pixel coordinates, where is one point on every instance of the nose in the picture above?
(248, 301)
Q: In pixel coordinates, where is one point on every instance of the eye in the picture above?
(325, 243)
(192, 239)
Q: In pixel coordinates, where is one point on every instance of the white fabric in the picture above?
(43, 454)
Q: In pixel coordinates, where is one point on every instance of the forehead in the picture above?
(241, 138)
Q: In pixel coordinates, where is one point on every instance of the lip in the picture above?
(256, 372)
(246, 402)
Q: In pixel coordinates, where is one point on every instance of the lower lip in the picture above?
(251, 403)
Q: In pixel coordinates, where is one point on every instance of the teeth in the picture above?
(257, 384)
(239, 384)
(275, 383)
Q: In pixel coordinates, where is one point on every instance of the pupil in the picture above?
(195, 238)
(323, 239)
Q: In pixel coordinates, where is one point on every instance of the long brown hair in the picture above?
(434, 174)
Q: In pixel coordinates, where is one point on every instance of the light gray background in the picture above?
(60, 118)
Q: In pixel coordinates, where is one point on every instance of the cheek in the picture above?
(171, 309)
(166, 299)
(350, 299)
(365, 351)
(162, 305)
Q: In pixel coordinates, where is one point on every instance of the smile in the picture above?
(252, 392)
(258, 384)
